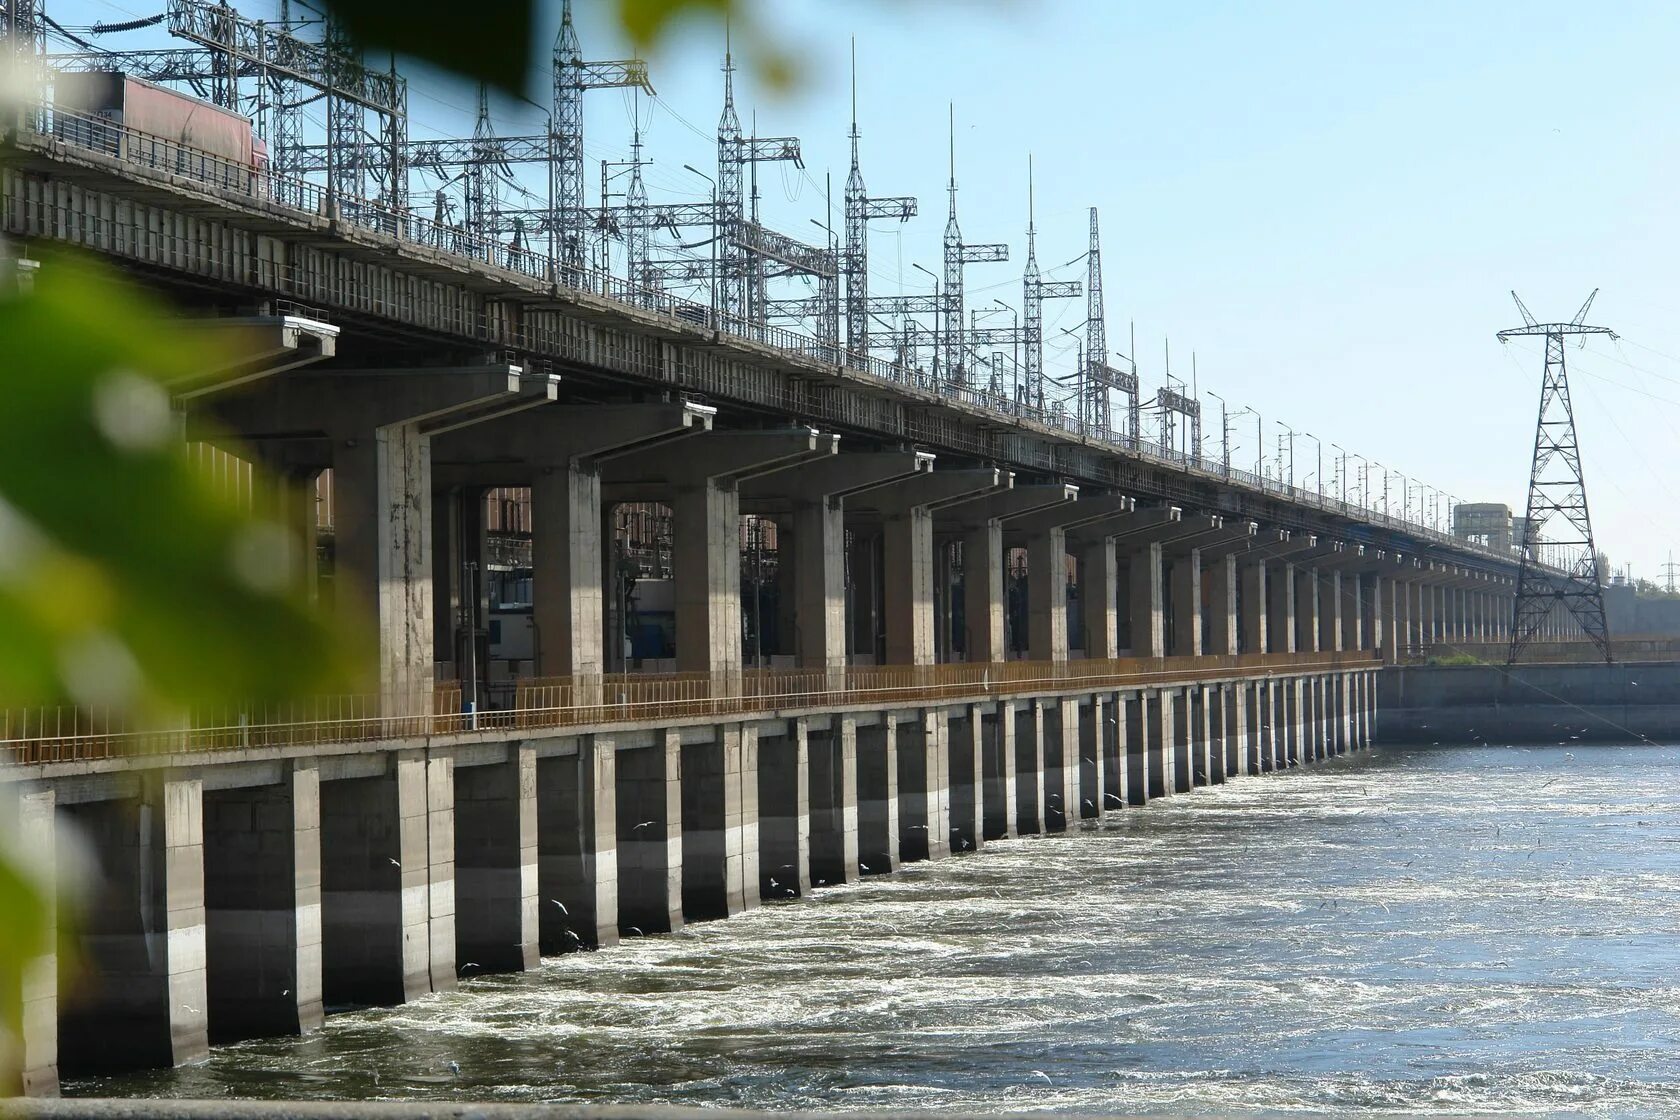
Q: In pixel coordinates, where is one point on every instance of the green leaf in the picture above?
(485, 42)
(121, 560)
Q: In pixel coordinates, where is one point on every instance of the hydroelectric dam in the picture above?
(988, 615)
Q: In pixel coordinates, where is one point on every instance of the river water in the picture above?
(1441, 931)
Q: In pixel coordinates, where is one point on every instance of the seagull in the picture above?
(1046, 1076)
(635, 930)
(572, 933)
(864, 866)
(562, 906)
(455, 1068)
(470, 964)
(644, 824)
(394, 863)
(1114, 798)
(773, 884)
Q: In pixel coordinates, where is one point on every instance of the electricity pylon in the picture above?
(1556, 488)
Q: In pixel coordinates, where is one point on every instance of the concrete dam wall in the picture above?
(1618, 703)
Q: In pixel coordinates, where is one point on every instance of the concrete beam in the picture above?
(1093, 510)
(1170, 531)
(1000, 505)
(837, 476)
(255, 347)
(931, 489)
(553, 436)
(722, 457)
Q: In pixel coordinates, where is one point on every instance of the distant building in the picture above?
(1487, 523)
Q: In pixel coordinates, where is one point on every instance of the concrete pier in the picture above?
(262, 905)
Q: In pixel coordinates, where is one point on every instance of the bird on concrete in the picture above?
(455, 1068)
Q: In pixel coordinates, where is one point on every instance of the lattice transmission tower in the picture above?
(1557, 490)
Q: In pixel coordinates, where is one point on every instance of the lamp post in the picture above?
(1015, 357)
(714, 283)
(1341, 473)
(1079, 375)
(1224, 432)
(1318, 470)
(1291, 446)
(1385, 486)
(938, 343)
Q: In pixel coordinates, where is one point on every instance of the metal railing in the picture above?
(314, 201)
(66, 734)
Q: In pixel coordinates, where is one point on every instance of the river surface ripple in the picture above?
(1476, 930)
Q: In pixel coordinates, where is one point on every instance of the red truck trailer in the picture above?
(142, 122)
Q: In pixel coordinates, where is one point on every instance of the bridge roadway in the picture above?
(1223, 627)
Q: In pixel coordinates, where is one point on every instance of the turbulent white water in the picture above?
(1438, 932)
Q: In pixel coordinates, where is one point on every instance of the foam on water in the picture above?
(1487, 930)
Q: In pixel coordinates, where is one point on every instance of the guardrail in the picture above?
(313, 200)
(65, 734)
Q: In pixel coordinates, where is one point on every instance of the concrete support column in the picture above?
(908, 552)
(924, 787)
(567, 584)
(878, 805)
(1429, 614)
(1281, 608)
(1117, 776)
(375, 927)
(648, 809)
(1144, 601)
(1002, 781)
(819, 559)
(967, 770)
(1352, 601)
(983, 591)
(1176, 701)
(1029, 768)
(577, 846)
(720, 823)
(1187, 603)
(1306, 608)
(1206, 733)
(1093, 757)
(1256, 599)
(496, 864)
(1099, 583)
(784, 813)
(1221, 576)
(1061, 764)
(262, 901)
(29, 1061)
(439, 824)
(1239, 754)
(1160, 776)
(1264, 722)
(1047, 637)
(833, 758)
(1330, 609)
(706, 582)
(1378, 614)
(179, 835)
(1142, 727)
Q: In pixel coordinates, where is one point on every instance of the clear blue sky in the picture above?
(1328, 203)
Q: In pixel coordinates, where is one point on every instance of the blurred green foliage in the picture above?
(128, 582)
(127, 579)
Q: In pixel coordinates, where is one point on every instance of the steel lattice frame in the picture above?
(1557, 487)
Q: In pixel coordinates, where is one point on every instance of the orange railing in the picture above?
(64, 734)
